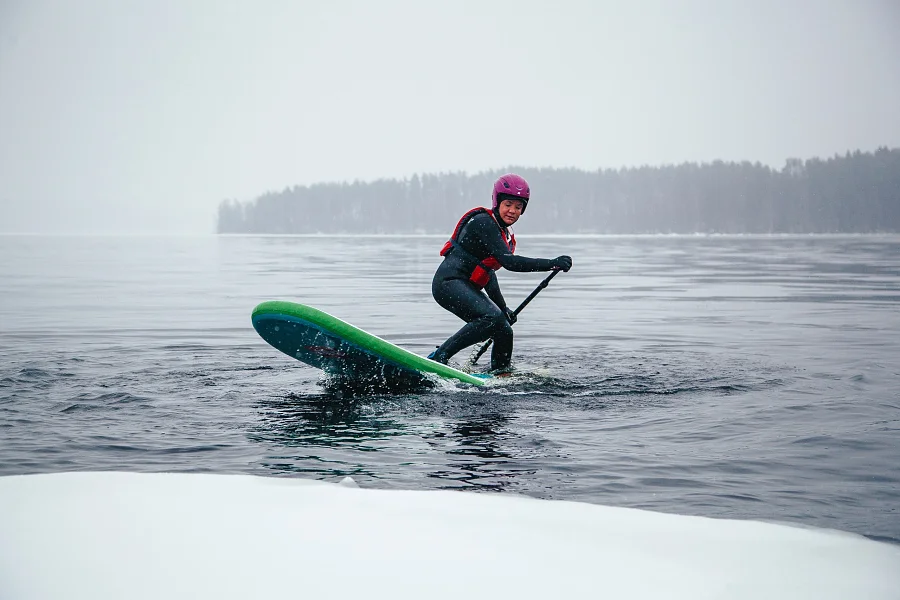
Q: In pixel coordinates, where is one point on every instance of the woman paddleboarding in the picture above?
(481, 244)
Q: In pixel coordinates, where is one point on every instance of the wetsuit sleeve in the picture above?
(493, 291)
(489, 233)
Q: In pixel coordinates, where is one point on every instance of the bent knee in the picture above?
(499, 324)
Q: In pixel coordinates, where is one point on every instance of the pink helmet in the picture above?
(511, 185)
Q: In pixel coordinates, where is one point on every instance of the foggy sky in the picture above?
(141, 115)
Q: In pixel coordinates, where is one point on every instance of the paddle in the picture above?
(516, 312)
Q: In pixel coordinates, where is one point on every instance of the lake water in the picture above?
(741, 377)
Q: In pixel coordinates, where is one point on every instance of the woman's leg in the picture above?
(483, 320)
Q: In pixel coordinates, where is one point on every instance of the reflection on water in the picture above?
(327, 420)
(475, 451)
(329, 426)
(313, 433)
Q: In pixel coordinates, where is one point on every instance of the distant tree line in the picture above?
(858, 192)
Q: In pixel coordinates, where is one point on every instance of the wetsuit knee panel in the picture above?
(499, 323)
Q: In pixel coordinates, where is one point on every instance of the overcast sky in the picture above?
(141, 115)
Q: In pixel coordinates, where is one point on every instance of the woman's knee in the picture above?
(500, 325)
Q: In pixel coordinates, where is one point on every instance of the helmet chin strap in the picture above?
(500, 219)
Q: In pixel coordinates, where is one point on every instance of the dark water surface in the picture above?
(745, 377)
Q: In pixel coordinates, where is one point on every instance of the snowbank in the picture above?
(128, 535)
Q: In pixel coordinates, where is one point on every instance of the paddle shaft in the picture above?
(516, 312)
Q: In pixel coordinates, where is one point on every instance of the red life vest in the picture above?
(481, 274)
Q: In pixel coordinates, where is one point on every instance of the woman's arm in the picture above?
(489, 233)
(493, 291)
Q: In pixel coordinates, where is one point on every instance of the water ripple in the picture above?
(728, 377)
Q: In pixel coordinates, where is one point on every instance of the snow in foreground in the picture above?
(129, 535)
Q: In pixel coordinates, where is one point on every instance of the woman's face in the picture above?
(510, 210)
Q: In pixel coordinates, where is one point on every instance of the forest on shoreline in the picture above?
(857, 192)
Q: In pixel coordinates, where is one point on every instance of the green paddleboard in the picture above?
(338, 348)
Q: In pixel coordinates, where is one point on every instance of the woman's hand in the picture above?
(562, 262)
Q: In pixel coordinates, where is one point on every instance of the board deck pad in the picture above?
(338, 348)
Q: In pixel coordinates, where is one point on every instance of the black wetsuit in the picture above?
(484, 314)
